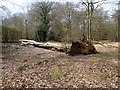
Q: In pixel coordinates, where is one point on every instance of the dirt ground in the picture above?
(32, 67)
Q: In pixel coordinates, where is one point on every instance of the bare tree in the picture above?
(90, 6)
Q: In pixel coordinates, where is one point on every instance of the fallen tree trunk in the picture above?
(82, 47)
(47, 45)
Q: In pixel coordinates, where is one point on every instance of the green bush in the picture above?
(51, 36)
(10, 33)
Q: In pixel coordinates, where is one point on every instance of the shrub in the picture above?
(10, 33)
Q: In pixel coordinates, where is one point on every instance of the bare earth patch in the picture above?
(32, 67)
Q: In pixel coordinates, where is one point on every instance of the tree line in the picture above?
(57, 21)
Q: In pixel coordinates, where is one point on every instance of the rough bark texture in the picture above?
(83, 47)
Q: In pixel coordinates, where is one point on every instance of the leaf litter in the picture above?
(32, 67)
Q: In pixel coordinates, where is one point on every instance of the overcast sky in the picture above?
(15, 9)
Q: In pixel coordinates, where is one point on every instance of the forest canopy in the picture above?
(57, 21)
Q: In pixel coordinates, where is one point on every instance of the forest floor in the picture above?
(33, 67)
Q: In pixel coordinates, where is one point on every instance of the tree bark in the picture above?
(47, 45)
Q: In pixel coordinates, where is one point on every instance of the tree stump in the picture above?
(83, 47)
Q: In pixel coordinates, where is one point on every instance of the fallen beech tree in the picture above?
(47, 45)
(83, 47)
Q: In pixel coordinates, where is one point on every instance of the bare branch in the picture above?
(100, 4)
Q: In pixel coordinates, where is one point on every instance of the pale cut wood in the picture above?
(46, 45)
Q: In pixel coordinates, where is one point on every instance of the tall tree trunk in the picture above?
(91, 11)
(68, 25)
(88, 19)
(26, 28)
(44, 35)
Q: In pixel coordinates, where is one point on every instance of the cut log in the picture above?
(83, 47)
